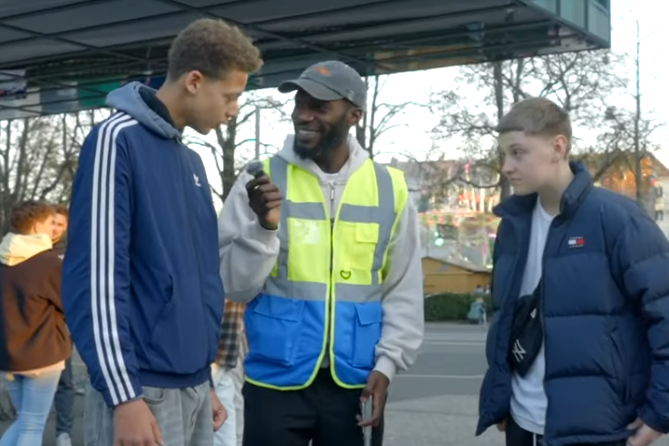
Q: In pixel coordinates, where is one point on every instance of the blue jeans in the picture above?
(64, 400)
(225, 390)
(32, 398)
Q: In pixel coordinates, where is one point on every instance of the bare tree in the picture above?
(225, 149)
(630, 129)
(637, 118)
(38, 158)
(580, 82)
(380, 116)
(642, 127)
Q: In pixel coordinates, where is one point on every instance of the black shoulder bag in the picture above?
(527, 332)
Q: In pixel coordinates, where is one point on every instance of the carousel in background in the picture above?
(464, 232)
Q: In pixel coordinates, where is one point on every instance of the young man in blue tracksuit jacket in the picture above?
(144, 298)
(601, 370)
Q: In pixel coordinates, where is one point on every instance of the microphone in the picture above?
(255, 169)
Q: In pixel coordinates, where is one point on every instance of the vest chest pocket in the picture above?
(355, 250)
(274, 328)
(308, 250)
(367, 332)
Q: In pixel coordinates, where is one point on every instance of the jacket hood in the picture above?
(17, 248)
(129, 100)
(357, 157)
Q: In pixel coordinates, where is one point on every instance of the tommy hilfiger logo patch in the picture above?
(576, 242)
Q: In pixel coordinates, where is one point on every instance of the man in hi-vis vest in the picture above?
(325, 249)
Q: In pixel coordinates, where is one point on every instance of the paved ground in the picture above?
(434, 405)
(437, 402)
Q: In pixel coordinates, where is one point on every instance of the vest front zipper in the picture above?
(333, 213)
(330, 304)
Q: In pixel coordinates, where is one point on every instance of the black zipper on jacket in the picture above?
(330, 302)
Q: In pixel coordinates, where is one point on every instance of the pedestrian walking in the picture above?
(224, 370)
(63, 401)
(34, 341)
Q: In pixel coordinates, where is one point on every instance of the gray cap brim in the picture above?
(313, 89)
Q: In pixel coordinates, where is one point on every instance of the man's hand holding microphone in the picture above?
(264, 197)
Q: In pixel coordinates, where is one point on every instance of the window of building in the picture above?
(659, 215)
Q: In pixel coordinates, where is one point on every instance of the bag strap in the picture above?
(537, 291)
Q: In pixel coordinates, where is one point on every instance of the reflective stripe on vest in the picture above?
(321, 270)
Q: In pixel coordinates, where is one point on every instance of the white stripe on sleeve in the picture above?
(103, 303)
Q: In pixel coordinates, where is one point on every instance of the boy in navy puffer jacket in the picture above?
(601, 375)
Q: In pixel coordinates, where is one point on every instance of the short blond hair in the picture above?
(537, 117)
(213, 48)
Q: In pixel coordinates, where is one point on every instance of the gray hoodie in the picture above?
(129, 99)
(249, 252)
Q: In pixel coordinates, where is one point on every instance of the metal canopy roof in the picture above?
(64, 55)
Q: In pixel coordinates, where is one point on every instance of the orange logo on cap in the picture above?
(324, 71)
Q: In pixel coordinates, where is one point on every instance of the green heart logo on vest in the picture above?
(345, 274)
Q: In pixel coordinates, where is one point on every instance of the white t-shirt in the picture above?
(528, 401)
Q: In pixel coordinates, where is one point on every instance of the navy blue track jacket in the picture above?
(142, 292)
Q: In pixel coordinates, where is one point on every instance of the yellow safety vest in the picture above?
(328, 278)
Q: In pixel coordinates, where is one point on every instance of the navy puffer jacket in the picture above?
(606, 311)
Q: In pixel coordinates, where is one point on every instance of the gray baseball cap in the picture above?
(329, 81)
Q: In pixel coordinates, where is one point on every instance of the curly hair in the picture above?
(214, 48)
(26, 214)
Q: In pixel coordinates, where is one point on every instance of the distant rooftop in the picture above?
(459, 263)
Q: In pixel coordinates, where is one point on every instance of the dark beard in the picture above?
(330, 140)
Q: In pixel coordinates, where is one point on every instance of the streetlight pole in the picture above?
(257, 141)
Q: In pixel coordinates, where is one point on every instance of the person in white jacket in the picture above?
(324, 247)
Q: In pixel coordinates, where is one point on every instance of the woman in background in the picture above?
(34, 341)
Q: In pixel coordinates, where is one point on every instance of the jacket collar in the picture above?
(520, 205)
